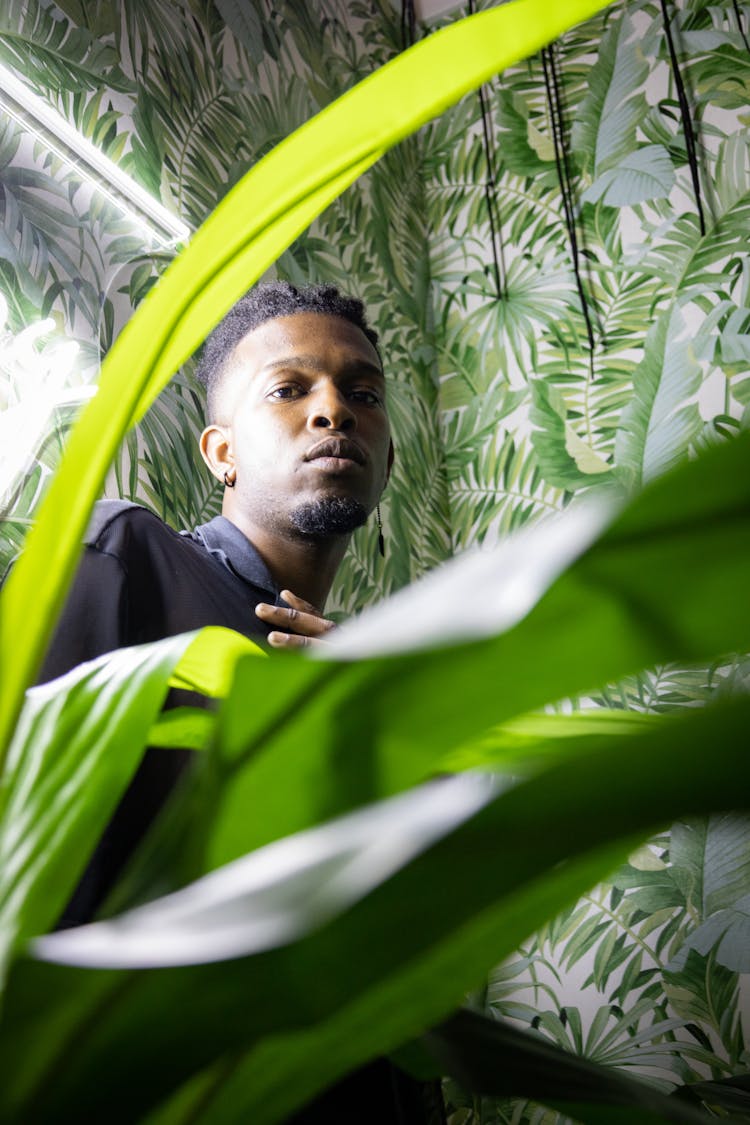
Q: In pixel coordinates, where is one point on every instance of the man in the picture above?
(298, 435)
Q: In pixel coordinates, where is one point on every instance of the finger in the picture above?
(292, 640)
(299, 603)
(308, 624)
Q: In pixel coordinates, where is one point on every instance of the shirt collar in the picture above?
(233, 549)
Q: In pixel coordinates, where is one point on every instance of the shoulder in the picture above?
(123, 520)
(130, 533)
(116, 529)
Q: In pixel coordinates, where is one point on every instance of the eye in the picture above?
(286, 391)
(364, 394)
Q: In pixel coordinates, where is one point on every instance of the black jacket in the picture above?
(138, 581)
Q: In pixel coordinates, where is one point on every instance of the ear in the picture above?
(216, 450)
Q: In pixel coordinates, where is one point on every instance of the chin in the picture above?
(330, 514)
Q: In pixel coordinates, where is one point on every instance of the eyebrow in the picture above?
(312, 363)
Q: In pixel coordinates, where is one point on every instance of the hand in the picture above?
(306, 623)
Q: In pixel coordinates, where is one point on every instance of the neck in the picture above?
(298, 563)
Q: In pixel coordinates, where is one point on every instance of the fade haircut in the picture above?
(266, 302)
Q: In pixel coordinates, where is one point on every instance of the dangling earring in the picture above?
(381, 540)
(229, 483)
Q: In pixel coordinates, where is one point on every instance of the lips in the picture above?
(339, 448)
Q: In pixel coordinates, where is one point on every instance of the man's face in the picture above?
(302, 408)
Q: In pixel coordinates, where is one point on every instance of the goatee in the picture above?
(329, 515)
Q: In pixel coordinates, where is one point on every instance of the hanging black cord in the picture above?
(554, 102)
(490, 195)
(408, 24)
(687, 121)
(741, 29)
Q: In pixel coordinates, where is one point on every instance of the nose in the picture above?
(330, 410)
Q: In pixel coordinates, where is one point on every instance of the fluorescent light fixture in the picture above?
(60, 137)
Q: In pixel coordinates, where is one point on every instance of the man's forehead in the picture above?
(356, 364)
(309, 339)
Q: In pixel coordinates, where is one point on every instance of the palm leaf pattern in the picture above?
(501, 413)
(56, 53)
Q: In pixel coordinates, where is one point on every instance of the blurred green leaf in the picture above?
(729, 1093)
(77, 744)
(76, 747)
(524, 744)
(349, 733)
(421, 958)
(489, 1057)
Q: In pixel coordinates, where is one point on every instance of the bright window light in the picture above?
(34, 377)
(38, 117)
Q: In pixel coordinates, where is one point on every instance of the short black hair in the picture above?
(266, 302)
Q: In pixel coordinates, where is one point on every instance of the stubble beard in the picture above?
(328, 515)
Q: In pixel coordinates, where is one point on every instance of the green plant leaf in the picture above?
(207, 666)
(50, 51)
(729, 1093)
(273, 897)
(660, 421)
(75, 749)
(245, 24)
(493, 1058)
(700, 989)
(421, 958)
(711, 859)
(189, 727)
(523, 744)
(685, 262)
(647, 173)
(688, 531)
(605, 126)
(726, 934)
(565, 459)
(525, 150)
(80, 734)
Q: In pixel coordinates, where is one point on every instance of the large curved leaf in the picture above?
(92, 1029)
(77, 745)
(470, 1047)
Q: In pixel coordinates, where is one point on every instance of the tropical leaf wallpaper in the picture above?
(560, 272)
